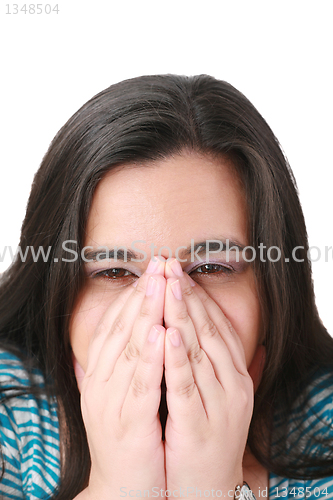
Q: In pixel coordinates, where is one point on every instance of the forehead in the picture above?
(168, 202)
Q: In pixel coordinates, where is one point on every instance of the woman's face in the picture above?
(163, 208)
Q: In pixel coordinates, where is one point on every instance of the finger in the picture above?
(144, 393)
(119, 318)
(131, 329)
(104, 326)
(177, 316)
(156, 265)
(185, 406)
(208, 318)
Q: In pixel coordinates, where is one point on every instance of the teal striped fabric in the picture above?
(318, 421)
(29, 436)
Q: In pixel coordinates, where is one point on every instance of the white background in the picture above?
(278, 53)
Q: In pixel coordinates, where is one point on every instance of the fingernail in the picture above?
(176, 290)
(174, 337)
(176, 267)
(192, 282)
(154, 333)
(152, 266)
(151, 286)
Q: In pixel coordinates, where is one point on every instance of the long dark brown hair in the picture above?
(140, 120)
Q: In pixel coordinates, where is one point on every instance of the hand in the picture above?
(209, 390)
(120, 392)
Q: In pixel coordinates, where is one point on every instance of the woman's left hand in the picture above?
(209, 391)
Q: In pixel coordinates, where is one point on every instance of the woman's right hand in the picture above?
(120, 392)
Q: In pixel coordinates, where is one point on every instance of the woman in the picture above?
(148, 183)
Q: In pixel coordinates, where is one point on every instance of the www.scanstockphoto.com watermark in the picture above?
(276, 492)
(156, 492)
(202, 252)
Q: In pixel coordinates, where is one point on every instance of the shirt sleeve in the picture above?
(29, 437)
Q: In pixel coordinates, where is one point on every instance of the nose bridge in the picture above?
(164, 251)
(162, 242)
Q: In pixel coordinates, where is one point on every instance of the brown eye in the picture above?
(212, 269)
(114, 273)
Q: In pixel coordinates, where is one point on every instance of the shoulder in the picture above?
(309, 422)
(29, 433)
(315, 398)
(310, 427)
(312, 416)
(319, 399)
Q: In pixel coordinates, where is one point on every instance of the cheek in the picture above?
(241, 307)
(87, 313)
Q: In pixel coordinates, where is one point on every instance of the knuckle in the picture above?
(228, 327)
(186, 389)
(243, 399)
(182, 315)
(118, 326)
(195, 353)
(102, 330)
(209, 329)
(145, 311)
(181, 362)
(139, 387)
(188, 291)
(131, 352)
(205, 298)
(147, 360)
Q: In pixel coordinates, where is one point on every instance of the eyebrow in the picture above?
(117, 253)
(124, 254)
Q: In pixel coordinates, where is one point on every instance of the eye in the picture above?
(212, 269)
(113, 273)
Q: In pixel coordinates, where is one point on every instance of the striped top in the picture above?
(318, 421)
(29, 437)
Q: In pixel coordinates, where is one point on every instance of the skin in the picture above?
(207, 332)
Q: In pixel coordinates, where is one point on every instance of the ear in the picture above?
(257, 365)
(79, 372)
